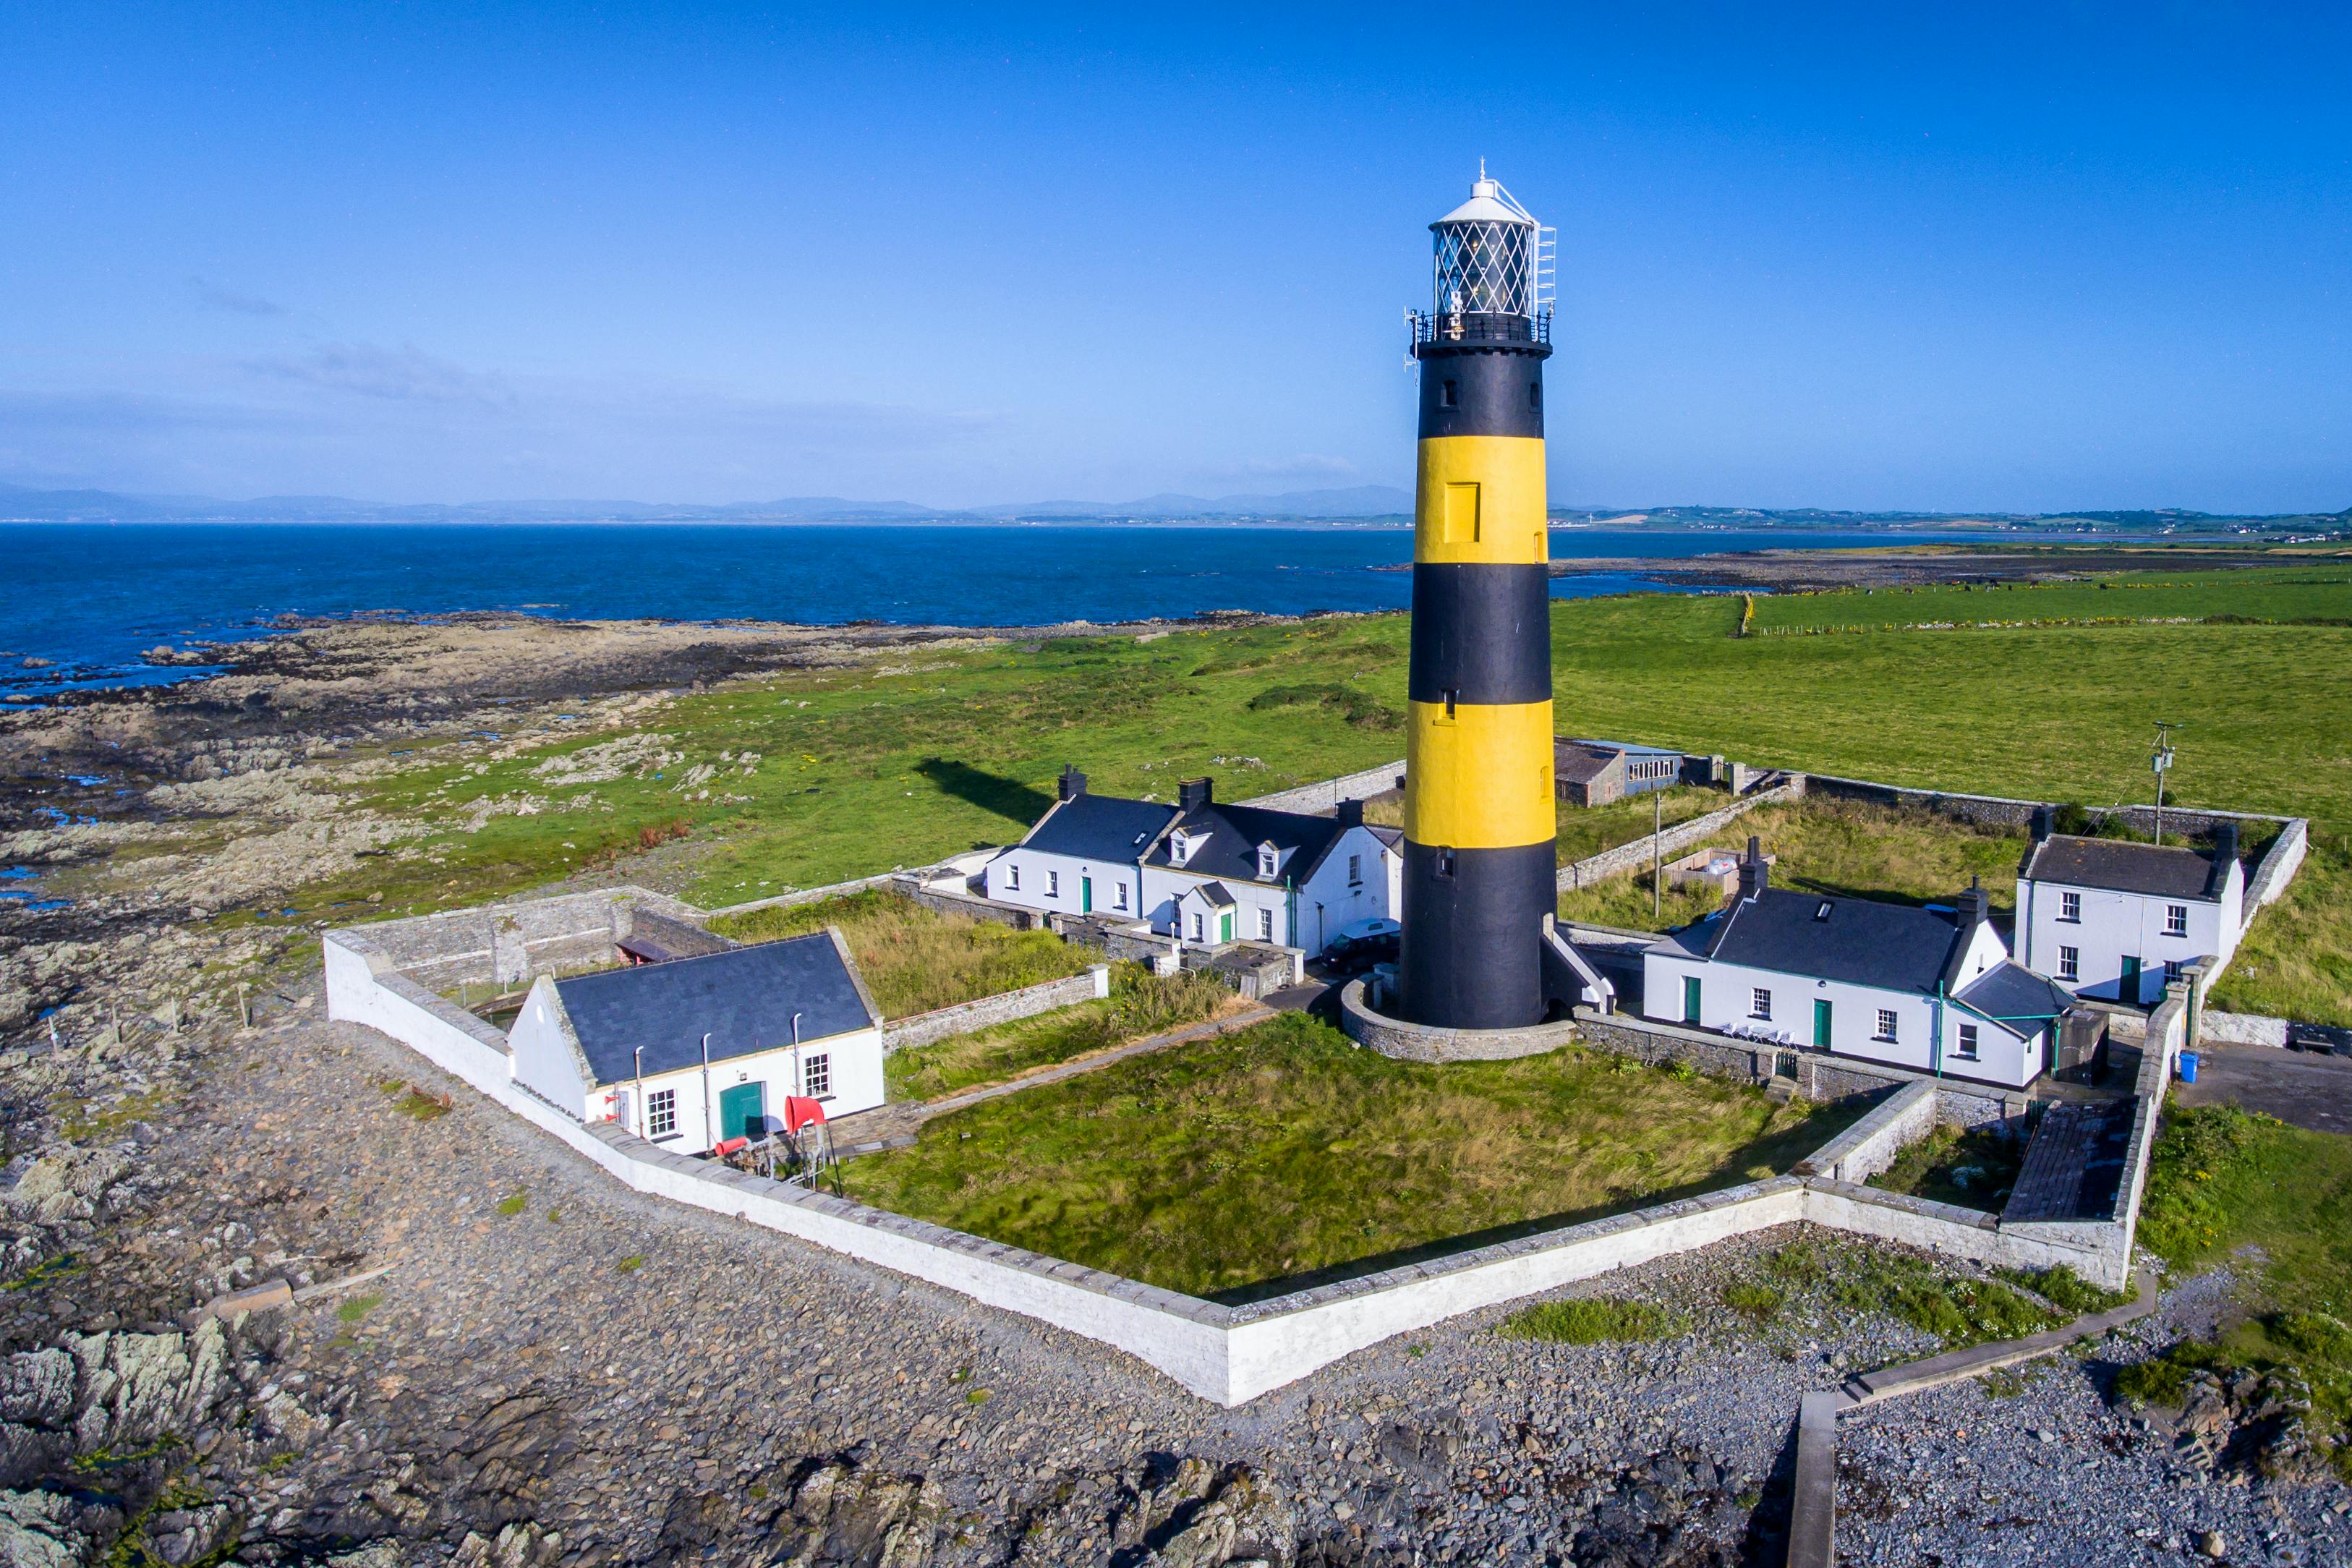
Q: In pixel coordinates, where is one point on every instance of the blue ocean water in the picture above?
(91, 597)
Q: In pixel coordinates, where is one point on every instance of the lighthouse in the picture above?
(1479, 824)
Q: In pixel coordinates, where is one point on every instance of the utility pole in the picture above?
(1657, 858)
(2160, 762)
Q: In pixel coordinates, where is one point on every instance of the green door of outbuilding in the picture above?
(1821, 1024)
(1690, 998)
(744, 1112)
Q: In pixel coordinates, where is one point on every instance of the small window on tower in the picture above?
(1446, 395)
(1444, 864)
(1535, 396)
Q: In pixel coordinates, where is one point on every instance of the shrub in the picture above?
(1590, 1322)
(1757, 1303)
(2063, 1287)
(1358, 708)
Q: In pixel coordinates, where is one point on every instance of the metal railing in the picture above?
(1479, 326)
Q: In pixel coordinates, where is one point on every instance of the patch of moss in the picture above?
(1591, 1321)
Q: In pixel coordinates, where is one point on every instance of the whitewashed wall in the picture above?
(2115, 924)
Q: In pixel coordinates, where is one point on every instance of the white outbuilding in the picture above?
(695, 1051)
(1927, 989)
(1207, 873)
(2113, 920)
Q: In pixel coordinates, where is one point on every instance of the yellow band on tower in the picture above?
(1481, 779)
(1480, 499)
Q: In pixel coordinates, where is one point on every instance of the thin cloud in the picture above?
(219, 296)
(397, 375)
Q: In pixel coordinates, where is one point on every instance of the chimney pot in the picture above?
(1072, 784)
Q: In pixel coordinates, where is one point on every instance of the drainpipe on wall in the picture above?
(1935, 1034)
(708, 1140)
(641, 1123)
(798, 1087)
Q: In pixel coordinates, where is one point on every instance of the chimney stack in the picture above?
(1194, 795)
(2045, 820)
(1351, 814)
(1072, 784)
(2225, 855)
(1976, 906)
(1754, 874)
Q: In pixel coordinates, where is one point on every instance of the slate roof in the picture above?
(1219, 895)
(1099, 827)
(2015, 997)
(745, 998)
(1235, 832)
(657, 939)
(1582, 761)
(2158, 871)
(1894, 947)
(2075, 1166)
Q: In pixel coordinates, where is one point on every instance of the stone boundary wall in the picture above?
(510, 944)
(2278, 866)
(1325, 794)
(1673, 840)
(1818, 1075)
(805, 895)
(1873, 1143)
(1419, 1043)
(2241, 1029)
(971, 906)
(922, 1029)
(1227, 1355)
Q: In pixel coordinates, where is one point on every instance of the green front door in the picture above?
(2130, 985)
(1690, 998)
(1085, 895)
(1225, 926)
(1821, 1025)
(744, 1112)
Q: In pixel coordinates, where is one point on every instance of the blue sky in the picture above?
(1948, 257)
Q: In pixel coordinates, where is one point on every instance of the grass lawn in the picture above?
(852, 771)
(1140, 1004)
(1259, 1162)
(2233, 1185)
(915, 959)
(1849, 849)
(1975, 1169)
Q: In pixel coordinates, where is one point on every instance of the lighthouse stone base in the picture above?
(1412, 1042)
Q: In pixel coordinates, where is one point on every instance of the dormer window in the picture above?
(1180, 846)
(1269, 861)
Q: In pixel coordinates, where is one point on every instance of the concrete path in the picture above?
(2302, 1089)
(895, 1126)
(1813, 1509)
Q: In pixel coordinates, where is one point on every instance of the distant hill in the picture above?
(20, 504)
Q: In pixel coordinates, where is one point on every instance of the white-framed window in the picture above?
(816, 1076)
(1886, 1026)
(1966, 1049)
(2069, 964)
(2070, 908)
(1012, 876)
(1266, 925)
(1355, 870)
(1053, 884)
(1197, 926)
(1120, 896)
(2174, 969)
(1267, 859)
(1760, 1003)
(2176, 919)
(661, 1113)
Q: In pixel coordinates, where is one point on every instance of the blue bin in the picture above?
(2188, 1067)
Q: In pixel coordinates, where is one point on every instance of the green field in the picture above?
(914, 959)
(858, 771)
(1280, 1152)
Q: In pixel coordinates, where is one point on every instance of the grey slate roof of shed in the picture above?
(2156, 870)
(1582, 761)
(744, 998)
(2016, 998)
(2075, 1166)
(661, 938)
(1218, 895)
(1894, 947)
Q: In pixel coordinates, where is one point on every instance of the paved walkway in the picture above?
(1813, 1510)
(895, 1126)
(2302, 1089)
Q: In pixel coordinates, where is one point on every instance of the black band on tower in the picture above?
(1493, 391)
(1472, 955)
(1480, 634)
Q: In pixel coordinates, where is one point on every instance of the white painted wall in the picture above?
(547, 1057)
(2115, 924)
(1036, 880)
(1726, 1004)
(855, 1059)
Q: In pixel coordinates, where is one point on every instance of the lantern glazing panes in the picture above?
(1486, 267)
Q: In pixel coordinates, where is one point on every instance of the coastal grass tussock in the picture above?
(1595, 1322)
(915, 959)
(1278, 1154)
(1358, 708)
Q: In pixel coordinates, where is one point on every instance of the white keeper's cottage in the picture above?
(691, 1052)
(1207, 873)
(2113, 920)
(1929, 990)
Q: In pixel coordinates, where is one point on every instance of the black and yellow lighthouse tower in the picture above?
(1479, 812)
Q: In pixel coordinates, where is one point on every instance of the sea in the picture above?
(90, 598)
